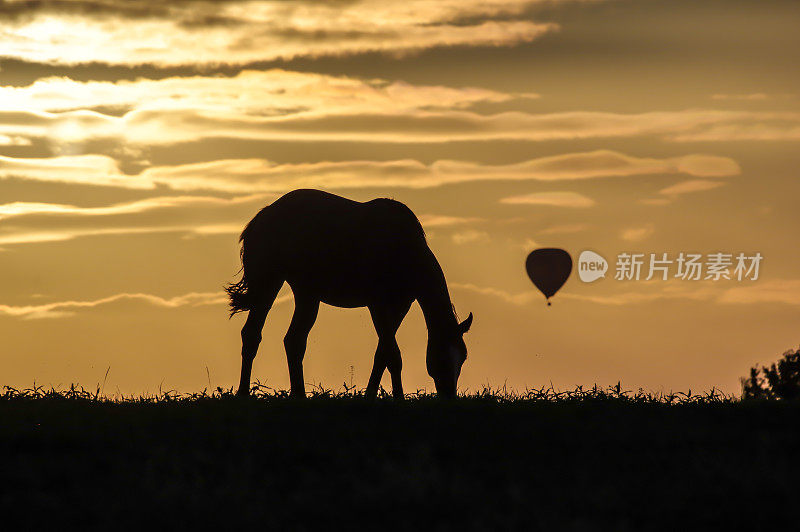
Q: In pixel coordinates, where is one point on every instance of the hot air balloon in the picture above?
(549, 269)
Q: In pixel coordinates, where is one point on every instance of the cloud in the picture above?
(672, 192)
(202, 13)
(785, 291)
(706, 165)
(655, 201)
(553, 199)
(636, 234)
(259, 175)
(529, 244)
(564, 229)
(32, 222)
(598, 163)
(688, 187)
(775, 291)
(238, 32)
(514, 299)
(248, 174)
(61, 309)
(654, 291)
(67, 308)
(372, 117)
(21, 208)
(74, 169)
(756, 96)
(772, 126)
(27, 222)
(34, 236)
(273, 92)
(471, 235)
(438, 220)
(780, 291)
(6, 140)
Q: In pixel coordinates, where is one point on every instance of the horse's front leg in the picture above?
(378, 366)
(387, 355)
(395, 364)
(387, 318)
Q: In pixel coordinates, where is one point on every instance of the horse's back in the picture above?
(307, 215)
(395, 215)
(342, 249)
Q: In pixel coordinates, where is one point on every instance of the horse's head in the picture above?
(446, 354)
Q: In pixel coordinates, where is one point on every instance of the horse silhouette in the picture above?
(346, 254)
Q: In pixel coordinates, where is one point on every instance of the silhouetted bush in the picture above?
(779, 381)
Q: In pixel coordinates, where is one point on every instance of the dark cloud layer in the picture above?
(193, 12)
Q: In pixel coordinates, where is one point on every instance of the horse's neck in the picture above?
(434, 298)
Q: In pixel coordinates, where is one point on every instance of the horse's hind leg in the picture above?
(251, 332)
(305, 314)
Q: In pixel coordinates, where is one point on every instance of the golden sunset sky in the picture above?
(137, 139)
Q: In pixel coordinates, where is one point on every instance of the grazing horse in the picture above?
(347, 254)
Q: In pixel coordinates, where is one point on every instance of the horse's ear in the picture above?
(466, 324)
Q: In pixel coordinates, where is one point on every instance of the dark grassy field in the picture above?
(576, 461)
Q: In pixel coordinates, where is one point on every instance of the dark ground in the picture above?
(589, 462)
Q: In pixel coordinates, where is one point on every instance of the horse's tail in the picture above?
(239, 297)
(238, 292)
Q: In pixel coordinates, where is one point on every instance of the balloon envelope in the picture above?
(549, 269)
